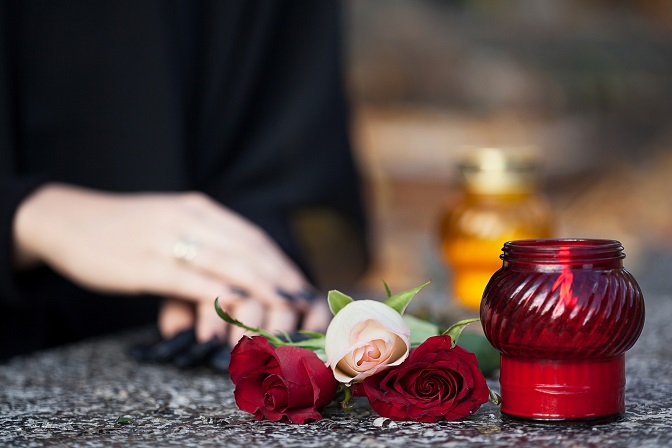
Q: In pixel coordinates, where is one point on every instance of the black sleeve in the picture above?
(13, 186)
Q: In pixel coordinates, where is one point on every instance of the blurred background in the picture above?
(585, 85)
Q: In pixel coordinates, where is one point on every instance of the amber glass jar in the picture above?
(498, 202)
(562, 313)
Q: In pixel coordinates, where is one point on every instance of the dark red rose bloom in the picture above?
(435, 382)
(284, 383)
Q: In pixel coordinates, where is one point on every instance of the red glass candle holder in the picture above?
(562, 313)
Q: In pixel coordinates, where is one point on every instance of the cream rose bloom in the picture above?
(365, 337)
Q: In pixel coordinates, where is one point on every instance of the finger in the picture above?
(299, 300)
(202, 278)
(251, 247)
(318, 317)
(279, 320)
(208, 324)
(250, 312)
(232, 250)
(216, 224)
(175, 316)
(224, 222)
(250, 272)
(181, 281)
(242, 243)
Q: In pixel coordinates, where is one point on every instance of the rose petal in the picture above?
(339, 338)
(287, 383)
(301, 416)
(354, 328)
(435, 382)
(251, 355)
(377, 349)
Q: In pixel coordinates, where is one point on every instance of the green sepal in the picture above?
(400, 301)
(337, 301)
(387, 289)
(347, 396)
(273, 339)
(456, 329)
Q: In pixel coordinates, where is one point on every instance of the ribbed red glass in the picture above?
(562, 313)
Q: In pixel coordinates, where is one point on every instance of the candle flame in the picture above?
(564, 283)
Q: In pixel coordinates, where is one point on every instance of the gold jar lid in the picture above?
(499, 171)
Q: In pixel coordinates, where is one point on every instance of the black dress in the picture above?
(242, 100)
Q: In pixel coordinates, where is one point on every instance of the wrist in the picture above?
(26, 230)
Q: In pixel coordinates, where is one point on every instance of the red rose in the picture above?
(435, 382)
(289, 383)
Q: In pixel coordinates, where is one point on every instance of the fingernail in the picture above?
(239, 291)
(308, 295)
(285, 295)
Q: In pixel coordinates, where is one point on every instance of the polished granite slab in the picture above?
(93, 394)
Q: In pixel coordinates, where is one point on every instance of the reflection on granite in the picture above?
(92, 394)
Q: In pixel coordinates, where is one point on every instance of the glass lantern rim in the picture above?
(563, 249)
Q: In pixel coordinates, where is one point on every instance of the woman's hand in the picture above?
(181, 246)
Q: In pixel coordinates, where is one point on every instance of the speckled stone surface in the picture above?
(74, 396)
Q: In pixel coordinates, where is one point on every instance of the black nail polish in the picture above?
(285, 295)
(309, 295)
(239, 291)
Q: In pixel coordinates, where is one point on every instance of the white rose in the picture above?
(365, 337)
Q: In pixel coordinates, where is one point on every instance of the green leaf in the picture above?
(486, 354)
(273, 339)
(387, 289)
(400, 301)
(456, 329)
(315, 343)
(337, 300)
(285, 335)
(312, 334)
(321, 354)
(420, 329)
